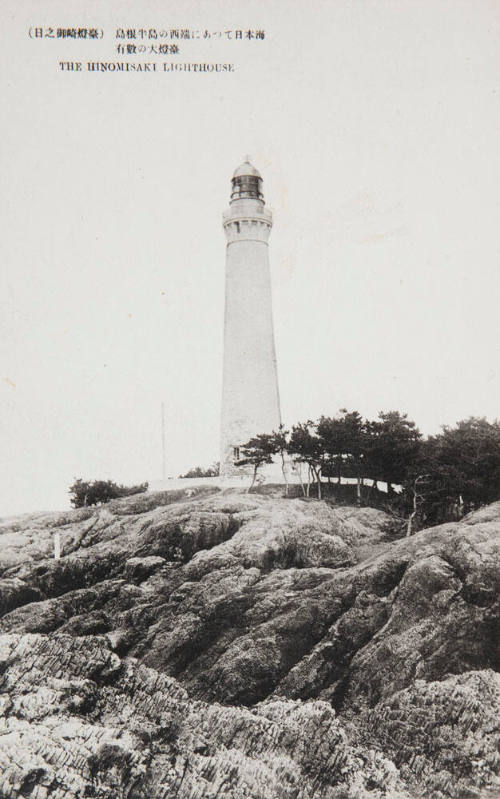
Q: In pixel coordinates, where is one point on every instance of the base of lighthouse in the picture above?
(250, 398)
(268, 474)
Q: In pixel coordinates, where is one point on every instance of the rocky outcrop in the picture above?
(443, 733)
(77, 721)
(292, 608)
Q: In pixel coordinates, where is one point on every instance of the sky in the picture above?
(375, 126)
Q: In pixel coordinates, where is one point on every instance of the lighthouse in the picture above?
(250, 396)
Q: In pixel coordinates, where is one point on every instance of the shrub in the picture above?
(84, 493)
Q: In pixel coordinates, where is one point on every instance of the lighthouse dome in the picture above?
(246, 183)
(246, 169)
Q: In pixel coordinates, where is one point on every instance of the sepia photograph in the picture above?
(250, 400)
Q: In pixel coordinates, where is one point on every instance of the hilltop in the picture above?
(236, 645)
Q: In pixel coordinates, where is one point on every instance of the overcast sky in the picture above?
(375, 126)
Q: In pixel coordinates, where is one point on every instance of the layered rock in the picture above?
(269, 603)
(77, 721)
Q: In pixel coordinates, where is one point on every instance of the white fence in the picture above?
(244, 481)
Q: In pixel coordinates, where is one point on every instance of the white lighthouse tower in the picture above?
(250, 397)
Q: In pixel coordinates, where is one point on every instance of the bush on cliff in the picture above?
(84, 493)
(202, 471)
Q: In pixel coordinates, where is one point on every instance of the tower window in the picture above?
(237, 225)
(236, 453)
